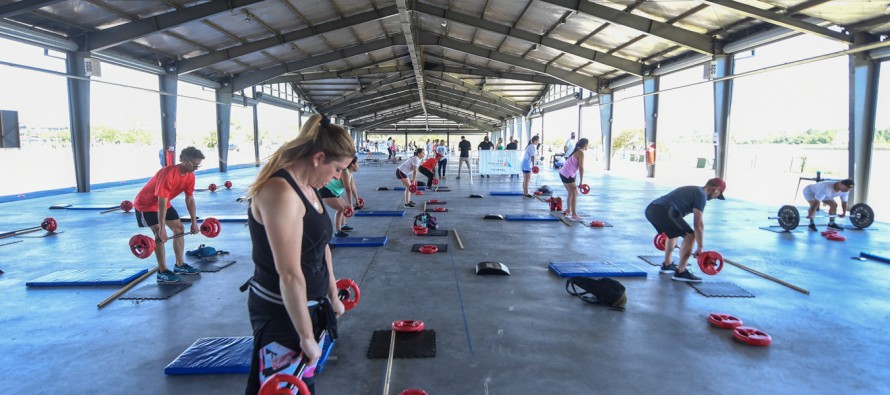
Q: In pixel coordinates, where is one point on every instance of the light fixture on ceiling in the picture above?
(444, 23)
(537, 47)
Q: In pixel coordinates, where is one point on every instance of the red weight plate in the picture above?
(212, 187)
(434, 201)
(273, 386)
(724, 321)
(348, 288)
(597, 224)
(142, 246)
(836, 237)
(347, 212)
(412, 188)
(752, 336)
(659, 241)
(435, 181)
(710, 262)
(421, 230)
(584, 188)
(361, 203)
(211, 227)
(536, 169)
(407, 325)
(126, 206)
(828, 232)
(413, 391)
(429, 249)
(418, 192)
(539, 193)
(440, 209)
(228, 185)
(49, 224)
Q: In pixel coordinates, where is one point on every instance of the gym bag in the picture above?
(424, 219)
(603, 290)
(202, 251)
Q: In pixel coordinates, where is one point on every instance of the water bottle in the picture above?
(818, 175)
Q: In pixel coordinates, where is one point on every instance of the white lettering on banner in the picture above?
(500, 162)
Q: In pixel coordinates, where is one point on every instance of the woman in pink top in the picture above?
(574, 164)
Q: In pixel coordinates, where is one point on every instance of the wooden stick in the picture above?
(561, 218)
(127, 288)
(767, 276)
(109, 210)
(456, 236)
(392, 346)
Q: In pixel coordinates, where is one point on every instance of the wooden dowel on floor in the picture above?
(766, 276)
(562, 219)
(457, 237)
(127, 288)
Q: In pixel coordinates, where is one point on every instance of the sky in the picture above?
(791, 99)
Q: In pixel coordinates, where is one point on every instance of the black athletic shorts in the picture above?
(326, 193)
(667, 220)
(567, 180)
(400, 175)
(150, 218)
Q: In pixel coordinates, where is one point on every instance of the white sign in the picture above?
(500, 162)
(92, 67)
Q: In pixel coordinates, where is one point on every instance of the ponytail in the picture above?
(316, 135)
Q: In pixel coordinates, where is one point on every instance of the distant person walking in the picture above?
(464, 147)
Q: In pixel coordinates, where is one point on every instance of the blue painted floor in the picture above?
(495, 334)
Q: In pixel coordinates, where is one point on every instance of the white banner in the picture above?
(500, 162)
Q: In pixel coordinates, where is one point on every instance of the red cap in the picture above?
(720, 184)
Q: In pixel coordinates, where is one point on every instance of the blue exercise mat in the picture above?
(84, 206)
(91, 277)
(874, 257)
(505, 193)
(363, 213)
(359, 241)
(595, 269)
(528, 217)
(213, 355)
(401, 188)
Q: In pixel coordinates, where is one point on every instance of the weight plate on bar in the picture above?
(789, 217)
(861, 215)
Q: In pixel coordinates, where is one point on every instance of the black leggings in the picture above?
(443, 163)
(429, 175)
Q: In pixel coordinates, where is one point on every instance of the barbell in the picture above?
(710, 262)
(48, 224)
(143, 246)
(125, 206)
(861, 216)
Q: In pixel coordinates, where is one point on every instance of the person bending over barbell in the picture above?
(293, 292)
(666, 215)
(332, 196)
(574, 164)
(825, 192)
(408, 169)
(153, 209)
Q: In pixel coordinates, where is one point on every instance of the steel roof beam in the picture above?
(23, 6)
(451, 80)
(414, 49)
(691, 40)
(397, 87)
(541, 79)
(779, 20)
(478, 97)
(390, 79)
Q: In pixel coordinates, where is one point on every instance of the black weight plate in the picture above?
(861, 215)
(789, 217)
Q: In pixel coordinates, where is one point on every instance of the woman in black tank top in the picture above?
(293, 295)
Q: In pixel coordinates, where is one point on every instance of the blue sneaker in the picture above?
(346, 228)
(168, 276)
(185, 269)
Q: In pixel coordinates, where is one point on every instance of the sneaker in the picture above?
(528, 196)
(488, 176)
(812, 227)
(168, 276)
(686, 276)
(341, 234)
(833, 225)
(185, 269)
(346, 228)
(668, 269)
(409, 205)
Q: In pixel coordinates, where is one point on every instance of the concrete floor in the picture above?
(496, 334)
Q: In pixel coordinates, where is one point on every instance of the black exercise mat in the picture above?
(211, 265)
(655, 260)
(156, 291)
(720, 289)
(778, 229)
(441, 247)
(437, 232)
(408, 344)
(435, 203)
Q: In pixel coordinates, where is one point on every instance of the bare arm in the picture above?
(698, 218)
(281, 211)
(333, 292)
(580, 166)
(190, 205)
(346, 179)
(162, 219)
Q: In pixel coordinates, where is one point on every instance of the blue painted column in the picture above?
(864, 78)
(223, 119)
(650, 110)
(605, 98)
(724, 66)
(79, 118)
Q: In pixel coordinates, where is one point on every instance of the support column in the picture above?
(168, 86)
(725, 66)
(299, 121)
(579, 123)
(864, 78)
(605, 97)
(650, 108)
(79, 118)
(223, 120)
(256, 135)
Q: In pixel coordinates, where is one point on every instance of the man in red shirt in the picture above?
(153, 210)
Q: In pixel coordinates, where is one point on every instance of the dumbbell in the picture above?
(212, 187)
(360, 204)
(125, 206)
(584, 188)
(49, 224)
(143, 246)
(285, 383)
(228, 184)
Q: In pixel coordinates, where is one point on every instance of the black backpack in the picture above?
(424, 219)
(604, 290)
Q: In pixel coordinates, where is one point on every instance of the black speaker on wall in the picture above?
(9, 129)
